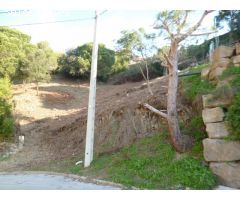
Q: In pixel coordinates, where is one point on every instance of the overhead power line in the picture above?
(13, 11)
(102, 12)
(52, 22)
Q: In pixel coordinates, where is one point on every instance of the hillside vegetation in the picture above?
(6, 119)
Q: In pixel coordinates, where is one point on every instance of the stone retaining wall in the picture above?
(223, 155)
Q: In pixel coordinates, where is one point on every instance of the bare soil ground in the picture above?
(49, 120)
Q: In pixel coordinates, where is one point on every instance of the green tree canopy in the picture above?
(77, 62)
(14, 46)
(132, 44)
(37, 63)
(50, 55)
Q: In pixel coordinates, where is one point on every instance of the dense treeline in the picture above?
(20, 61)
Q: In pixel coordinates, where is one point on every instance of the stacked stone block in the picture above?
(222, 154)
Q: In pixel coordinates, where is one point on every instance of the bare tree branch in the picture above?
(162, 114)
(181, 25)
(185, 18)
(166, 27)
(194, 28)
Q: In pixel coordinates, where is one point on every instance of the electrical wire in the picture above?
(103, 12)
(13, 11)
(51, 22)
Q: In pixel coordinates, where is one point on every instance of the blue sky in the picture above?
(63, 36)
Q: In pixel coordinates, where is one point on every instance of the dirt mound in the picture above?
(55, 97)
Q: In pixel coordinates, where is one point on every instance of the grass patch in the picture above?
(4, 158)
(234, 74)
(195, 128)
(230, 71)
(193, 86)
(151, 164)
(233, 114)
(194, 69)
(233, 118)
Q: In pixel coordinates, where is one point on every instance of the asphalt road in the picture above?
(55, 181)
(42, 181)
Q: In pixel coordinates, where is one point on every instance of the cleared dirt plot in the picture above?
(54, 122)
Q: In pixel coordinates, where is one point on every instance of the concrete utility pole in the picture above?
(92, 100)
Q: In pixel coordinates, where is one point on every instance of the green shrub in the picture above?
(133, 73)
(193, 86)
(5, 88)
(6, 120)
(233, 116)
(234, 74)
(230, 71)
(196, 129)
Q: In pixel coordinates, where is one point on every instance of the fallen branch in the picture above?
(162, 114)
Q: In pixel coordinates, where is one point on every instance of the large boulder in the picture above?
(228, 173)
(221, 150)
(210, 115)
(216, 130)
(205, 73)
(222, 52)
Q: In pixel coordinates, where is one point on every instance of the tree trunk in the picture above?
(24, 85)
(172, 115)
(148, 83)
(37, 88)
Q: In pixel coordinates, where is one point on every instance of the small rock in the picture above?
(205, 72)
(221, 150)
(210, 115)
